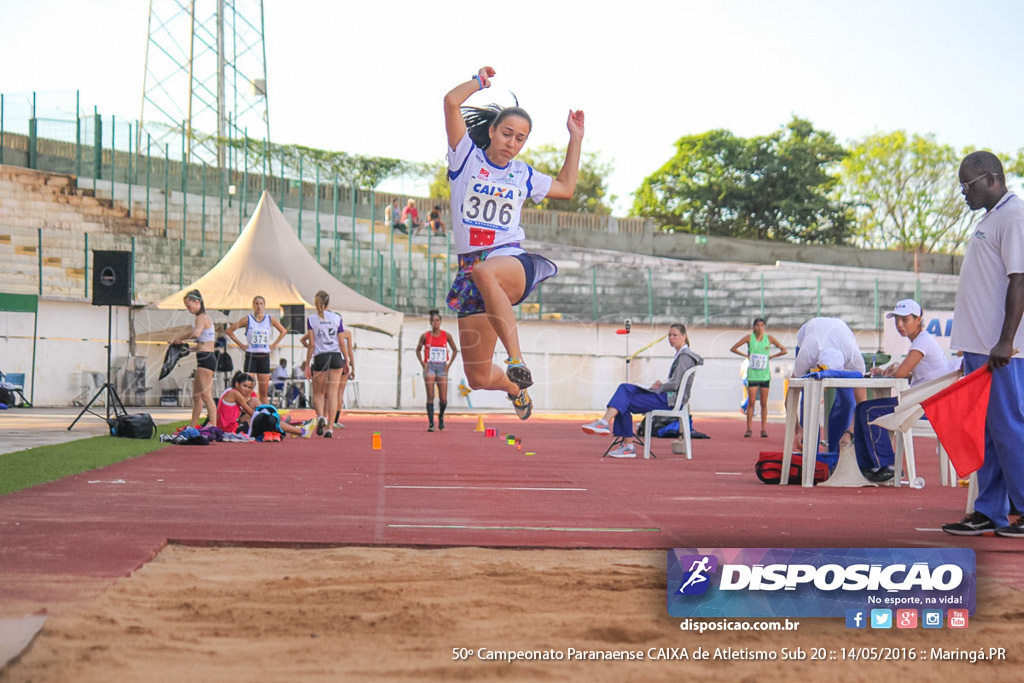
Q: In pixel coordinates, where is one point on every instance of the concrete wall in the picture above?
(695, 247)
(577, 366)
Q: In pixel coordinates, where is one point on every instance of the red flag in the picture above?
(957, 414)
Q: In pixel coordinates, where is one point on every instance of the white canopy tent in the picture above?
(268, 260)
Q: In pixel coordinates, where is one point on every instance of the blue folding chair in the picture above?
(14, 382)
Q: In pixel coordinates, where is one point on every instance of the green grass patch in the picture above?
(22, 469)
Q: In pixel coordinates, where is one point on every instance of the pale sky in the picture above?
(368, 77)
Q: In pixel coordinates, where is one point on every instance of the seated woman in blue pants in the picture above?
(630, 398)
(924, 361)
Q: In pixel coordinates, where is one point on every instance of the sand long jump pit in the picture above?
(439, 614)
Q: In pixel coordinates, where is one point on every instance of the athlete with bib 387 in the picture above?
(488, 188)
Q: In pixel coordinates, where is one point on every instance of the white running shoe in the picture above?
(626, 450)
(599, 427)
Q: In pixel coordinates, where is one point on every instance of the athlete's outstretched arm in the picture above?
(564, 185)
(454, 124)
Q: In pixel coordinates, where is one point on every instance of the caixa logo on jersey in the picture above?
(816, 582)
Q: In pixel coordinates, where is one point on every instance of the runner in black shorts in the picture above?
(202, 332)
(259, 328)
(331, 360)
(324, 360)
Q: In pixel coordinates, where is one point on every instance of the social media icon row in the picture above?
(905, 618)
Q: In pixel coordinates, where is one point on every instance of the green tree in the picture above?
(439, 185)
(365, 172)
(1016, 164)
(780, 186)
(905, 192)
(591, 195)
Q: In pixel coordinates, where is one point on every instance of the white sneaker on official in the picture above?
(627, 450)
(599, 427)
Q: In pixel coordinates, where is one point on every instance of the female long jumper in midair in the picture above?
(488, 188)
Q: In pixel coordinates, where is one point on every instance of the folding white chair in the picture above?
(680, 410)
(908, 420)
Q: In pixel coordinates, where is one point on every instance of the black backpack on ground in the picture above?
(137, 426)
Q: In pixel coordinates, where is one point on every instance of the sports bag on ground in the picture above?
(769, 466)
(137, 426)
(664, 427)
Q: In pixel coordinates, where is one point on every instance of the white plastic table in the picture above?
(813, 391)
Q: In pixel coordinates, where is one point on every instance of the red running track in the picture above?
(459, 488)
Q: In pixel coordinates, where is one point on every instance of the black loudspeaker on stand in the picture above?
(111, 278)
(294, 318)
(110, 287)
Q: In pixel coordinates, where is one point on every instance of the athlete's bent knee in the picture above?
(478, 379)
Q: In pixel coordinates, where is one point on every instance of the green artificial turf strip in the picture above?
(22, 469)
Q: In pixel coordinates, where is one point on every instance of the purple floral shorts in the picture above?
(465, 299)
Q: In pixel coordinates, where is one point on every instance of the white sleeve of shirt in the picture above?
(458, 155)
(540, 185)
(1012, 244)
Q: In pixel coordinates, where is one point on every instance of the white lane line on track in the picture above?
(514, 528)
(484, 488)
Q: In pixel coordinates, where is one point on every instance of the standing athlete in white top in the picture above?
(488, 189)
(324, 360)
(203, 333)
(258, 330)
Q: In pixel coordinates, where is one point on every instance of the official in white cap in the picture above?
(925, 360)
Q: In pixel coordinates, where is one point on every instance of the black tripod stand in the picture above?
(111, 400)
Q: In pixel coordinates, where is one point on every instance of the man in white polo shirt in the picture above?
(986, 327)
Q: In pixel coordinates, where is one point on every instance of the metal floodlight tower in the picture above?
(206, 75)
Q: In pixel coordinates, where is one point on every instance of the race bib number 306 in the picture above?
(491, 206)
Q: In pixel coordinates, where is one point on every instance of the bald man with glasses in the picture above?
(987, 328)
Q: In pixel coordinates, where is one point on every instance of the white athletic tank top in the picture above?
(325, 332)
(258, 334)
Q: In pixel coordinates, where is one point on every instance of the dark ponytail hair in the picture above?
(241, 378)
(479, 120)
(194, 294)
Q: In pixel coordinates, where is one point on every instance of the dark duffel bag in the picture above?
(137, 426)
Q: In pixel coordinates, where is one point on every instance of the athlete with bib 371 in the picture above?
(488, 188)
